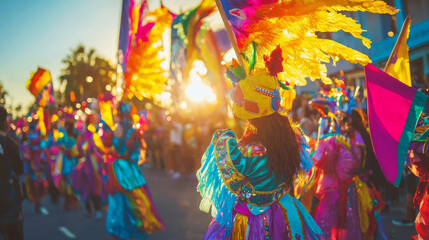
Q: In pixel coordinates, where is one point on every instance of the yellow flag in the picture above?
(398, 64)
(106, 112)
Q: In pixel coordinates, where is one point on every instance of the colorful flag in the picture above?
(398, 64)
(38, 81)
(40, 86)
(236, 15)
(239, 14)
(393, 111)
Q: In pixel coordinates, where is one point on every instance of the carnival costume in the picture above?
(36, 185)
(88, 175)
(277, 48)
(247, 200)
(347, 207)
(50, 152)
(65, 164)
(131, 213)
(418, 161)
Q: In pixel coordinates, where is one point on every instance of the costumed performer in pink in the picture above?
(87, 177)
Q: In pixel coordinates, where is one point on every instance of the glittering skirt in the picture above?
(273, 224)
(350, 213)
(87, 181)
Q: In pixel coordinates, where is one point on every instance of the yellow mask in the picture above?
(255, 96)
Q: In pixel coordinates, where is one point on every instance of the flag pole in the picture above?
(121, 58)
(401, 35)
(230, 33)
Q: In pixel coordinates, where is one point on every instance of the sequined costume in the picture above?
(87, 177)
(418, 161)
(131, 212)
(50, 152)
(346, 207)
(65, 163)
(420, 167)
(36, 185)
(246, 199)
(269, 39)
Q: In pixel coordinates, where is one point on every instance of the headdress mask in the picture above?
(257, 94)
(346, 100)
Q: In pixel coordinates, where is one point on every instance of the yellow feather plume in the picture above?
(145, 78)
(293, 25)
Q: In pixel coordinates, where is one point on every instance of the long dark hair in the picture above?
(282, 142)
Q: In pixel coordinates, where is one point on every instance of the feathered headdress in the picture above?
(256, 95)
(286, 31)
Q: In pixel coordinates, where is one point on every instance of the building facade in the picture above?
(383, 30)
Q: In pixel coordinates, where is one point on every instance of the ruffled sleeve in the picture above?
(216, 196)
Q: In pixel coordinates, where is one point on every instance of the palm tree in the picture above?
(85, 74)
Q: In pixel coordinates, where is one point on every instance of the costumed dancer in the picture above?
(66, 162)
(276, 44)
(87, 177)
(131, 212)
(418, 162)
(245, 181)
(306, 183)
(347, 206)
(50, 153)
(36, 185)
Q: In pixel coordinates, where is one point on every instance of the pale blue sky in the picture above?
(41, 33)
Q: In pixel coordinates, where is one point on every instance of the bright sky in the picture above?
(42, 33)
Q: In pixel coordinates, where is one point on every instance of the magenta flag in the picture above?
(393, 111)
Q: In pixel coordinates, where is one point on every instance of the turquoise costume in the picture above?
(247, 201)
(64, 167)
(131, 212)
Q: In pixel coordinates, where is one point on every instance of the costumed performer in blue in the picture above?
(66, 162)
(245, 181)
(131, 212)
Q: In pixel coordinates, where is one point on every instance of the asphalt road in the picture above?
(177, 202)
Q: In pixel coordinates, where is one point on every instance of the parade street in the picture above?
(177, 202)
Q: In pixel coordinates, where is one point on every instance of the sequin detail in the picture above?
(235, 181)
